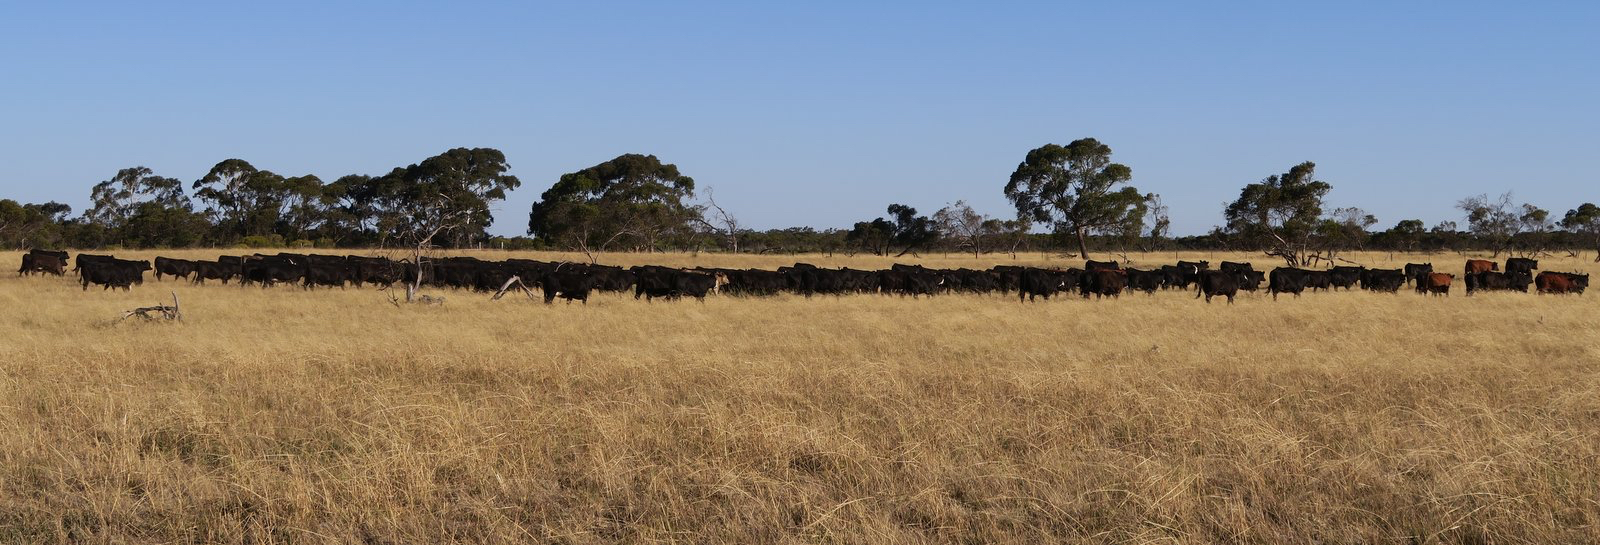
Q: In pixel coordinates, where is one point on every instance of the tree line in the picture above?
(1072, 198)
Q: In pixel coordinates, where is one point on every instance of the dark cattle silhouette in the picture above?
(1104, 283)
(1416, 271)
(1287, 280)
(1222, 283)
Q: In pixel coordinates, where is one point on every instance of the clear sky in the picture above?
(820, 113)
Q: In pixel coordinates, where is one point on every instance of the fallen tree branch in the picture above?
(509, 281)
(168, 312)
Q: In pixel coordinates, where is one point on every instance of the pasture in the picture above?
(334, 416)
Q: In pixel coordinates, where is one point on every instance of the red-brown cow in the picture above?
(1475, 266)
(1438, 283)
(1555, 282)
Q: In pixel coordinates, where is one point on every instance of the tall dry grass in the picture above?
(332, 416)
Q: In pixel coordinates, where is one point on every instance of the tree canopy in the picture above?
(1281, 213)
(631, 200)
(1585, 221)
(1077, 190)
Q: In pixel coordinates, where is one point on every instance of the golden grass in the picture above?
(331, 416)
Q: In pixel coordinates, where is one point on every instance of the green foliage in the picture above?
(1075, 189)
(1585, 222)
(273, 240)
(444, 198)
(633, 200)
(1281, 213)
(904, 229)
(116, 199)
(871, 236)
(32, 225)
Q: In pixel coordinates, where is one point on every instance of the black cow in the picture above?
(1503, 281)
(1103, 283)
(1223, 283)
(269, 270)
(1416, 272)
(1043, 283)
(1251, 281)
(112, 273)
(380, 271)
(86, 259)
(567, 283)
(328, 274)
(1344, 277)
(696, 284)
(1319, 280)
(608, 278)
(1521, 265)
(1010, 277)
(654, 281)
(755, 282)
(1385, 280)
(58, 254)
(180, 268)
(1232, 266)
(1191, 271)
(212, 270)
(1145, 281)
(1172, 277)
(909, 282)
(1092, 265)
(1288, 280)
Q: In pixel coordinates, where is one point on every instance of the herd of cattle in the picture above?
(575, 281)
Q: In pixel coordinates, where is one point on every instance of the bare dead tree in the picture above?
(721, 221)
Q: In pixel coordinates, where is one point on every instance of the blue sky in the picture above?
(821, 113)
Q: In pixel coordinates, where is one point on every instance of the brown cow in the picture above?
(42, 263)
(1476, 267)
(1438, 283)
(1555, 282)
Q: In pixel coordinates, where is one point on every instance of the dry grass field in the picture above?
(332, 416)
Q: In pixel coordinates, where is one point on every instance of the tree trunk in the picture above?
(1083, 246)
